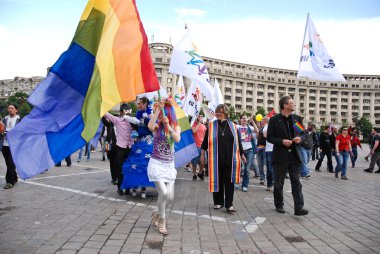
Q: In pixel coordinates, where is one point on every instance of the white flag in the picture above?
(180, 93)
(187, 61)
(315, 61)
(218, 99)
(154, 95)
(193, 101)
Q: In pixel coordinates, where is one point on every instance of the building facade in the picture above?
(9, 87)
(247, 87)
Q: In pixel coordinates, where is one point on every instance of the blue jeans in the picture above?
(338, 163)
(354, 155)
(270, 172)
(88, 148)
(261, 161)
(343, 158)
(248, 155)
(306, 154)
(254, 165)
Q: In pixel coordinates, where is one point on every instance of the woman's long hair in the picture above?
(170, 114)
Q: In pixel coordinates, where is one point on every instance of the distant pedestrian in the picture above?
(375, 152)
(246, 133)
(355, 143)
(199, 130)
(326, 145)
(10, 121)
(343, 150)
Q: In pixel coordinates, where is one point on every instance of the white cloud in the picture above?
(187, 12)
(28, 55)
(353, 44)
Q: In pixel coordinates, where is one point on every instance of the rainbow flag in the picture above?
(185, 150)
(298, 127)
(107, 62)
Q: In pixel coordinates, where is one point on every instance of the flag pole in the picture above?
(303, 43)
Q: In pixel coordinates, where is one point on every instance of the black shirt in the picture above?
(289, 126)
(225, 143)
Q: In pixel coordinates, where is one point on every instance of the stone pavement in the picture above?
(77, 210)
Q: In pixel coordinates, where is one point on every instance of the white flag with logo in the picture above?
(218, 99)
(193, 101)
(180, 93)
(315, 61)
(188, 62)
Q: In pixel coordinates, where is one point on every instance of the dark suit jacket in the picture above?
(276, 133)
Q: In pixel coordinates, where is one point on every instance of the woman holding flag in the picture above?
(161, 169)
(222, 140)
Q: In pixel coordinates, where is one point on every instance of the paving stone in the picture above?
(60, 221)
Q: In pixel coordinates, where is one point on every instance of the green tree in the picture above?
(260, 110)
(233, 115)
(19, 99)
(364, 125)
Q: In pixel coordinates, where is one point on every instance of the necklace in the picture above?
(224, 129)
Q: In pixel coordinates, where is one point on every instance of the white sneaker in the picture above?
(143, 194)
(134, 193)
(245, 189)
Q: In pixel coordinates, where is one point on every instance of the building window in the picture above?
(158, 60)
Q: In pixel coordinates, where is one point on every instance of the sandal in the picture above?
(155, 217)
(217, 206)
(231, 209)
(162, 226)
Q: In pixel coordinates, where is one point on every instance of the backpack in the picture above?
(261, 140)
(306, 140)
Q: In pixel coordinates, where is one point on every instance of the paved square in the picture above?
(77, 210)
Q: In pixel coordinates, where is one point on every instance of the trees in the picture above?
(260, 110)
(233, 115)
(364, 125)
(19, 99)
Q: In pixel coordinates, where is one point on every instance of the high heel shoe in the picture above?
(155, 218)
(162, 226)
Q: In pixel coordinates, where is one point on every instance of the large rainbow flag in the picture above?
(185, 149)
(107, 62)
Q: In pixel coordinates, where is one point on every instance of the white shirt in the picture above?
(268, 146)
(246, 136)
(11, 123)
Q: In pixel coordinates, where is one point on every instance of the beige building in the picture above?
(9, 87)
(248, 87)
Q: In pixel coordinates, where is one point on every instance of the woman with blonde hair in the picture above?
(161, 169)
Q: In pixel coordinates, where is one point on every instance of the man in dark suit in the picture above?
(286, 155)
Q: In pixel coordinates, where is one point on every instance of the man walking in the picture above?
(10, 122)
(375, 152)
(286, 155)
(326, 145)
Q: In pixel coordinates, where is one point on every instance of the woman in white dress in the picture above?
(161, 169)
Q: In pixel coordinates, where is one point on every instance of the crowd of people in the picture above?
(140, 150)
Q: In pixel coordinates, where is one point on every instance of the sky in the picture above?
(34, 33)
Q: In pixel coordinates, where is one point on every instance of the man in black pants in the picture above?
(10, 122)
(326, 145)
(286, 155)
